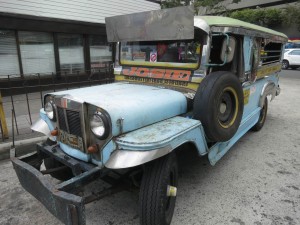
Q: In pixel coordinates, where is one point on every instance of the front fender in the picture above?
(43, 125)
(154, 141)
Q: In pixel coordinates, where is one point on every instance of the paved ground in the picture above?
(257, 182)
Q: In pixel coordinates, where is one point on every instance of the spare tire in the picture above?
(219, 105)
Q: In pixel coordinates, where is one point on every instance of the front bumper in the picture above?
(59, 199)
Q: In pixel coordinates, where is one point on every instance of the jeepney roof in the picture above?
(220, 21)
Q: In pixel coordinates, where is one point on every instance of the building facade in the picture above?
(54, 37)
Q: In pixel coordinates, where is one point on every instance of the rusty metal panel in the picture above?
(67, 207)
(166, 24)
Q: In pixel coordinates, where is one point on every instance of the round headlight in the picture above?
(99, 125)
(49, 109)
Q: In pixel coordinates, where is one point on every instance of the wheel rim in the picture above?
(170, 201)
(228, 107)
(284, 65)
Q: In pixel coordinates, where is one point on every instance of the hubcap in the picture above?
(228, 107)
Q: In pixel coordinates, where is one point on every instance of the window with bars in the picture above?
(37, 52)
(71, 57)
(100, 52)
(9, 63)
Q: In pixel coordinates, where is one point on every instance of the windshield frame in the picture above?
(168, 65)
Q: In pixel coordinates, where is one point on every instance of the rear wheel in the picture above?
(285, 64)
(262, 117)
(157, 192)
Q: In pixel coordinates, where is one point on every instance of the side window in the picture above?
(295, 52)
(270, 52)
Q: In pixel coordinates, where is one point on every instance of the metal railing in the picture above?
(23, 95)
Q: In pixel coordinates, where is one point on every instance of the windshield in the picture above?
(182, 54)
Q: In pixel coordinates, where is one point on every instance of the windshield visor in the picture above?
(172, 54)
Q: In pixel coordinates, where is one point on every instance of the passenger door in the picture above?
(294, 57)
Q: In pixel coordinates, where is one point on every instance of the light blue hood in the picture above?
(137, 105)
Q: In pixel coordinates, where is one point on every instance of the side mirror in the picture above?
(228, 49)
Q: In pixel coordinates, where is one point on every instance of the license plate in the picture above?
(71, 140)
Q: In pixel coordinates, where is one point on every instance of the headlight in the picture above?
(99, 125)
(50, 110)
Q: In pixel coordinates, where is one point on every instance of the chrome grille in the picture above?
(74, 124)
(61, 119)
(69, 121)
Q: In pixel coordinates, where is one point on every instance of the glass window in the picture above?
(100, 52)
(37, 52)
(161, 53)
(9, 63)
(71, 57)
(295, 52)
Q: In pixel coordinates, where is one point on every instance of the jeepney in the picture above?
(180, 78)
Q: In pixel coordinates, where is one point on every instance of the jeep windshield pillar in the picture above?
(180, 79)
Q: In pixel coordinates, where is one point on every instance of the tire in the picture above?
(285, 65)
(155, 207)
(262, 117)
(64, 174)
(219, 105)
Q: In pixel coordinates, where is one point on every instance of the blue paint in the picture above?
(172, 132)
(138, 105)
(74, 152)
(108, 150)
(217, 151)
(141, 105)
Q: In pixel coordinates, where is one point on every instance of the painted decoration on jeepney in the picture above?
(246, 96)
(158, 76)
(268, 70)
(180, 75)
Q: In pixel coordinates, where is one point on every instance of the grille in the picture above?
(73, 118)
(61, 119)
(73, 121)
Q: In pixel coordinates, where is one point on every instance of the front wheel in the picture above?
(158, 191)
(285, 64)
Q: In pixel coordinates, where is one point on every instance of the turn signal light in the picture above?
(92, 149)
(54, 132)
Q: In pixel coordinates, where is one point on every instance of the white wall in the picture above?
(80, 10)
